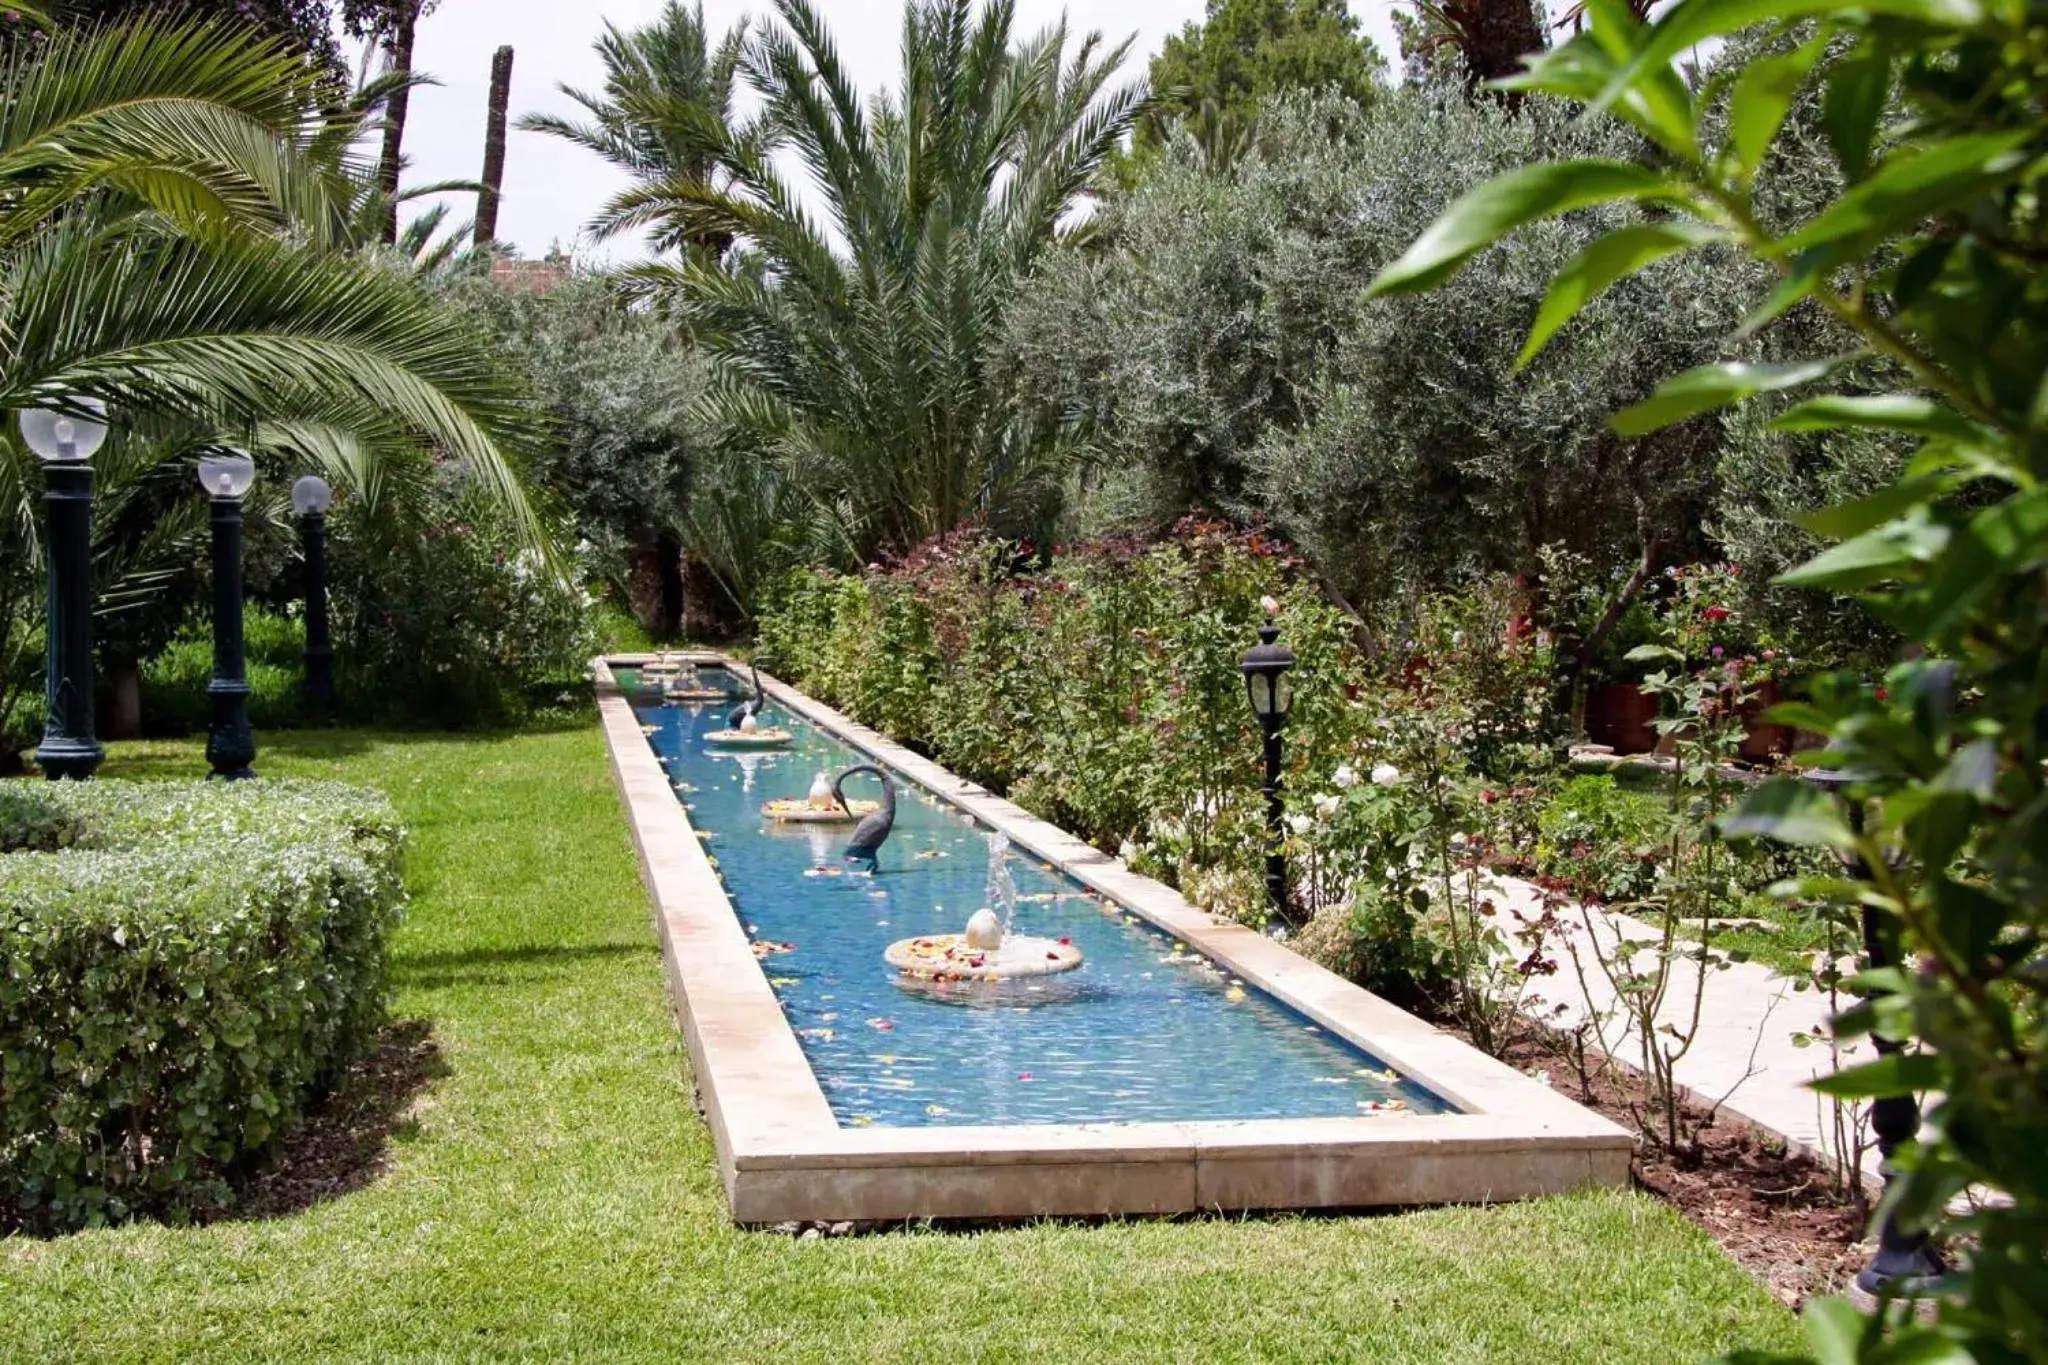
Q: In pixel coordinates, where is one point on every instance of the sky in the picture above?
(552, 188)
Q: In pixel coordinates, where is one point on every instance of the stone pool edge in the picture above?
(783, 1156)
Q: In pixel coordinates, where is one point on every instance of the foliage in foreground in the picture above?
(1932, 258)
(180, 972)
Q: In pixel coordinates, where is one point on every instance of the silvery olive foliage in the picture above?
(1428, 457)
(1217, 344)
(623, 388)
(182, 968)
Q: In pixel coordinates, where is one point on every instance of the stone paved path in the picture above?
(1748, 1016)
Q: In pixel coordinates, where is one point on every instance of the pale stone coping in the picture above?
(782, 1153)
(758, 1088)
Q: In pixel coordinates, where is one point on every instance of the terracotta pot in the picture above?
(1619, 715)
(1761, 740)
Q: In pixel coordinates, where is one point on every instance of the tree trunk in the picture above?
(1502, 34)
(400, 48)
(1577, 656)
(707, 611)
(654, 591)
(494, 148)
(124, 712)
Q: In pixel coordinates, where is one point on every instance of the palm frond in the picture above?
(859, 347)
(234, 326)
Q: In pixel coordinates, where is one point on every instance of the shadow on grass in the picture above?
(344, 1143)
(475, 966)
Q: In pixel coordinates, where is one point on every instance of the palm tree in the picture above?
(391, 25)
(174, 213)
(1493, 38)
(665, 111)
(860, 352)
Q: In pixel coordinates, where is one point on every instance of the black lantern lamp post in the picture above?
(1265, 668)
(230, 747)
(311, 497)
(1905, 1260)
(65, 435)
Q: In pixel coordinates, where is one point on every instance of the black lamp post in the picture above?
(1265, 667)
(311, 497)
(230, 747)
(1904, 1259)
(65, 436)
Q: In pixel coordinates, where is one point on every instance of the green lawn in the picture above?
(554, 1194)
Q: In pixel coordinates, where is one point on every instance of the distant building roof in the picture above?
(530, 277)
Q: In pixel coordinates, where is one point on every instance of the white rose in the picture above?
(1300, 824)
(1345, 777)
(1326, 806)
(1385, 775)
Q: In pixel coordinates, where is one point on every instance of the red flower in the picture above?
(1488, 797)
(1717, 613)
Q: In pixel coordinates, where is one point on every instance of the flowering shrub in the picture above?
(176, 981)
(1099, 688)
(1474, 658)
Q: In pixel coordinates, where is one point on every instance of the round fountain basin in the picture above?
(763, 738)
(797, 811)
(949, 957)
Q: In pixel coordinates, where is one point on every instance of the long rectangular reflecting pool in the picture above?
(1186, 1062)
(1144, 1030)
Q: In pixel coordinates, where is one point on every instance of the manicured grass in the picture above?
(554, 1194)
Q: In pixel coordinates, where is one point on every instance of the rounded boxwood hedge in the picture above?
(183, 967)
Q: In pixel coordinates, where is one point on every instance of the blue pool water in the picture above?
(1146, 1030)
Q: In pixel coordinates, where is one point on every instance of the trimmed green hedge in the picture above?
(177, 981)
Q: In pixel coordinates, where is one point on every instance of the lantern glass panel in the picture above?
(64, 436)
(227, 475)
(1261, 688)
(311, 496)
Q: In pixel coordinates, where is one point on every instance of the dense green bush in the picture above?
(1601, 838)
(36, 819)
(174, 698)
(454, 621)
(178, 982)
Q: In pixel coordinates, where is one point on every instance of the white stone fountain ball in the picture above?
(749, 724)
(984, 931)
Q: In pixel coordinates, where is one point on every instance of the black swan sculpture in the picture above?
(873, 830)
(751, 706)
